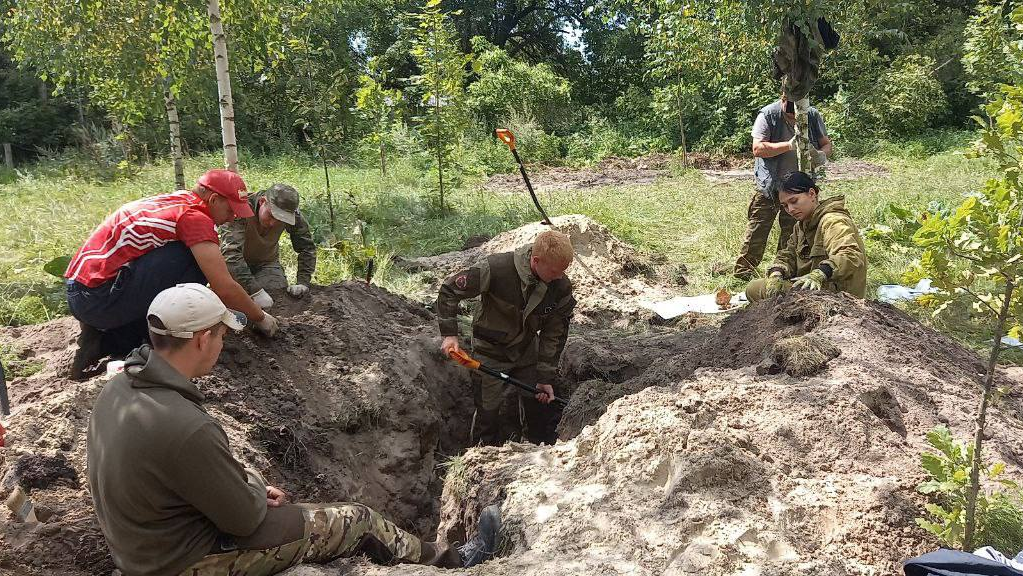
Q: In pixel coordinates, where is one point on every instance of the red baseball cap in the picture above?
(228, 185)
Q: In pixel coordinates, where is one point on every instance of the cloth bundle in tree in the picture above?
(797, 57)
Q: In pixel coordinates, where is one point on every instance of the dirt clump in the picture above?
(799, 356)
(40, 471)
(611, 280)
(329, 411)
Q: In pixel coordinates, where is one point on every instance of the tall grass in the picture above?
(683, 217)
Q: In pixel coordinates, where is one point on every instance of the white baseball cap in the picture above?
(189, 308)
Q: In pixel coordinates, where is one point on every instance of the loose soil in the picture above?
(352, 402)
(611, 171)
(845, 169)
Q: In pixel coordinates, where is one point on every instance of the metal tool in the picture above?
(472, 364)
(505, 135)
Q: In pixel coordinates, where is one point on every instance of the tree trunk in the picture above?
(330, 197)
(171, 105)
(383, 160)
(681, 123)
(223, 86)
(803, 136)
(978, 437)
(8, 156)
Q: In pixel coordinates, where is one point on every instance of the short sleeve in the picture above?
(195, 227)
(761, 131)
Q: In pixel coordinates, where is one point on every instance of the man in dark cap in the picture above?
(250, 245)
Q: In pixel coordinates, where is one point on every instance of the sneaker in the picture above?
(90, 351)
(483, 545)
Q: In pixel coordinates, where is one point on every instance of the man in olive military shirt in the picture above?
(250, 245)
(520, 329)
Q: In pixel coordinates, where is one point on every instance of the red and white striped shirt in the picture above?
(135, 229)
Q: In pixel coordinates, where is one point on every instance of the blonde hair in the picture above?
(554, 248)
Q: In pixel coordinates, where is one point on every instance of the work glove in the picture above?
(268, 326)
(812, 281)
(262, 299)
(817, 157)
(297, 290)
(792, 144)
(775, 284)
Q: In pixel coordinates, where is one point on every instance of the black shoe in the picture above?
(483, 545)
(90, 351)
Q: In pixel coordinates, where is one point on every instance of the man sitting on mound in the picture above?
(825, 250)
(170, 497)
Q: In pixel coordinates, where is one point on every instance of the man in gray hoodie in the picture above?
(171, 498)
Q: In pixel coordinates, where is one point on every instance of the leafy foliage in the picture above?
(999, 517)
(442, 77)
(506, 86)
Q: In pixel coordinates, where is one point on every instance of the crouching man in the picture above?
(250, 245)
(520, 329)
(171, 498)
(825, 250)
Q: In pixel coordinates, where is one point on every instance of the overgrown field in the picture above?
(682, 216)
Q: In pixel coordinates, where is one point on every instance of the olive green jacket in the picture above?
(830, 241)
(242, 245)
(516, 308)
(163, 480)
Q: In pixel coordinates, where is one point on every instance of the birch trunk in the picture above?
(170, 103)
(223, 86)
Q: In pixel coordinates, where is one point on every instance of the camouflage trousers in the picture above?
(761, 214)
(270, 276)
(331, 531)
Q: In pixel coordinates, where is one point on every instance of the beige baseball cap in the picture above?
(189, 308)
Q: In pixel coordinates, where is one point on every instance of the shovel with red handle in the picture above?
(472, 364)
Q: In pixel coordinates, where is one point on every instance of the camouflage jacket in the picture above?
(242, 245)
(516, 308)
(828, 240)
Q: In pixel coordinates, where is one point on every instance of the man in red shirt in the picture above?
(145, 247)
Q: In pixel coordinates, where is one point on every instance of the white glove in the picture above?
(297, 290)
(792, 144)
(268, 325)
(262, 299)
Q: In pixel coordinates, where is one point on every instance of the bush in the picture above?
(908, 98)
(507, 88)
(999, 517)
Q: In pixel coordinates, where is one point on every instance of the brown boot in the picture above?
(90, 351)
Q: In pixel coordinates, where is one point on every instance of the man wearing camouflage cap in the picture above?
(250, 245)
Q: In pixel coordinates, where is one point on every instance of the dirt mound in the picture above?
(328, 411)
(712, 469)
(610, 278)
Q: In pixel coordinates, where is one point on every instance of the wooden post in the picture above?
(8, 156)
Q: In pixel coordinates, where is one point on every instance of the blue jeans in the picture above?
(119, 307)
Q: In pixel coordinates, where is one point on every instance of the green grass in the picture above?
(684, 218)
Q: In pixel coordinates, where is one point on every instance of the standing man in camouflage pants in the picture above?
(774, 145)
(170, 497)
(250, 245)
(520, 328)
